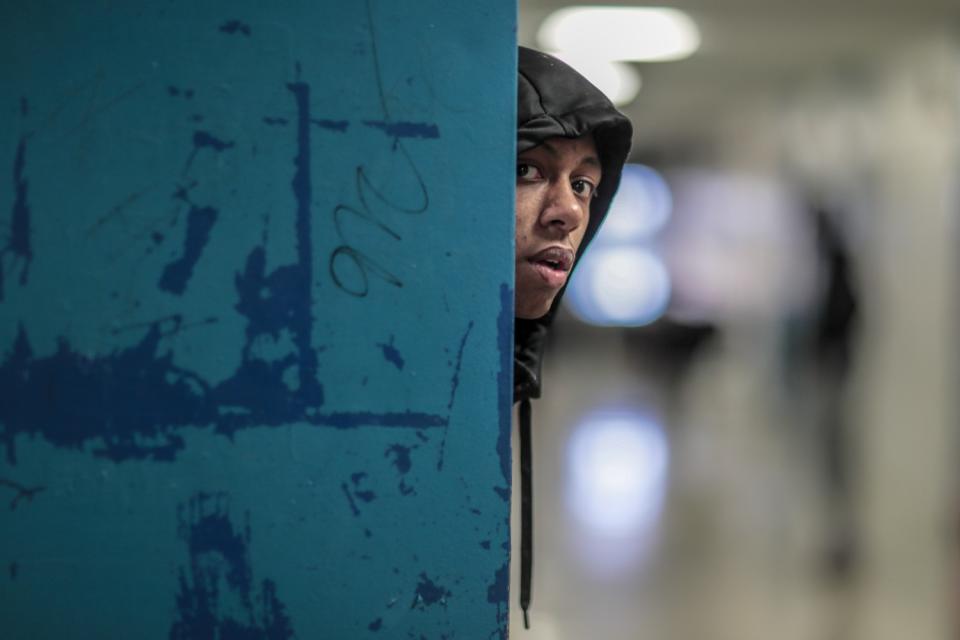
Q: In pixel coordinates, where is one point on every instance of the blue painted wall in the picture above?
(255, 319)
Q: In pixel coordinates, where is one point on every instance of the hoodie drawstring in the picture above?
(526, 510)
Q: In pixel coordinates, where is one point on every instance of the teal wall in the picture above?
(255, 319)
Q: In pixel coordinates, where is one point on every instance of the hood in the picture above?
(553, 100)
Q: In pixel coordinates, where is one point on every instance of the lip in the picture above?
(553, 264)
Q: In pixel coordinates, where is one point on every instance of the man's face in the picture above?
(556, 182)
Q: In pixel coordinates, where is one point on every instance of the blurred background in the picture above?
(748, 427)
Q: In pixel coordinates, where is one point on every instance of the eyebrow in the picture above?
(591, 160)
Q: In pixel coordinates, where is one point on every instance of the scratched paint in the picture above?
(405, 129)
(332, 125)
(206, 140)
(454, 384)
(137, 400)
(244, 345)
(177, 274)
(220, 572)
(18, 252)
(232, 27)
(429, 593)
(391, 354)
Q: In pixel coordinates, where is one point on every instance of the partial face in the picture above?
(556, 182)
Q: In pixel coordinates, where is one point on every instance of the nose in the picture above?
(563, 210)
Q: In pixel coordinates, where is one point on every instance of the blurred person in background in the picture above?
(833, 349)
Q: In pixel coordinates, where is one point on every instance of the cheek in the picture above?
(526, 215)
(527, 206)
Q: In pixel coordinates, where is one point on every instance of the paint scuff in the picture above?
(403, 463)
(498, 594)
(20, 492)
(333, 125)
(177, 274)
(391, 354)
(405, 129)
(232, 27)
(429, 593)
(18, 252)
(217, 598)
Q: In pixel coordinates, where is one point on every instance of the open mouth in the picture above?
(553, 265)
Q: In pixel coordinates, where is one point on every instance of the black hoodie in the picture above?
(553, 101)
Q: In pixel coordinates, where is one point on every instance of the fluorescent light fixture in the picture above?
(642, 34)
(618, 81)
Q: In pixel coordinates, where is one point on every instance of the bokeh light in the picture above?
(618, 462)
(640, 209)
(647, 34)
(619, 286)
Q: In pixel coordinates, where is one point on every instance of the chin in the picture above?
(533, 311)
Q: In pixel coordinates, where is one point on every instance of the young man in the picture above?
(571, 147)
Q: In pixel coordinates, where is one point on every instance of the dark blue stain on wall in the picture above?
(176, 92)
(301, 275)
(498, 593)
(401, 457)
(360, 494)
(175, 276)
(134, 401)
(364, 494)
(350, 500)
(403, 463)
(405, 129)
(216, 598)
(333, 125)
(390, 354)
(205, 140)
(429, 593)
(129, 399)
(232, 27)
(18, 251)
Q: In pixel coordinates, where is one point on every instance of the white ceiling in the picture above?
(758, 50)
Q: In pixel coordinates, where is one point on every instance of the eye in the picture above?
(584, 188)
(527, 171)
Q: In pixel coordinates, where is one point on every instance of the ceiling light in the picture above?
(643, 34)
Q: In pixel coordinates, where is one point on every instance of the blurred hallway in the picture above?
(734, 545)
(744, 485)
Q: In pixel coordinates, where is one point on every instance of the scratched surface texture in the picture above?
(255, 316)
